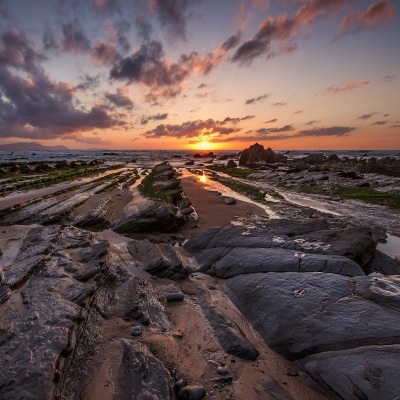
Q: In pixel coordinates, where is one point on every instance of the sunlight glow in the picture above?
(203, 178)
(204, 145)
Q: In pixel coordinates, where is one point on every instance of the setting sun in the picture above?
(204, 145)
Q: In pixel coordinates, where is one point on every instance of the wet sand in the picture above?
(210, 207)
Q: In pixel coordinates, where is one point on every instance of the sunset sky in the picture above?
(201, 74)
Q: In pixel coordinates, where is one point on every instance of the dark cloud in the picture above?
(143, 28)
(49, 41)
(236, 120)
(202, 86)
(106, 5)
(103, 53)
(386, 115)
(74, 37)
(39, 108)
(367, 116)
(119, 99)
(329, 131)
(298, 112)
(377, 14)
(17, 51)
(282, 29)
(279, 104)
(172, 15)
(149, 67)
(389, 78)
(33, 106)
(256, 99)
(380, 123)
(313, 122)
(396, 125)
(271, 121)
(157, 117)
(285, 128)
(88, 82)
(347, 86)
(190, 129)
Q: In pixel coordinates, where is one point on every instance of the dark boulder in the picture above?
(231, 164)
(256, 155)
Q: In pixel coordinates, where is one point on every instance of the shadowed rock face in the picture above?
(256, 155)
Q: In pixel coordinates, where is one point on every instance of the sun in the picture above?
(204, 145)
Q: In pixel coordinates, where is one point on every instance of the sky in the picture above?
(201, 74)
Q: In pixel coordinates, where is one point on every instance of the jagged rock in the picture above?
(384, 264)
(37, 330)
(231, 164)
(160, 259)
(227, 332)
(256, 155)
(191, 162)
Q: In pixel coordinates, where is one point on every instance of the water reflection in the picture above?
(203, 178)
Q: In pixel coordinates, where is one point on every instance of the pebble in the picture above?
(222, 379)
(179, 384)
(177, 335)
(192, 393)
(222, 371)
(291, 372)
(136, 331)
(175, 297)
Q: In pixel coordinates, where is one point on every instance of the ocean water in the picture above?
(151, 157)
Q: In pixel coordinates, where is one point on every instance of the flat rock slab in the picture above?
(319, 319)
(248, 260)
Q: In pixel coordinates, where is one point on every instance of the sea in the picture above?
(149, 158)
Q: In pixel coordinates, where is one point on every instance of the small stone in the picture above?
(177, 335)
(179, 384)
(222, 371)
(171, 297)
(291, 372)
(192, 393)
(136, 331)
(222, 380)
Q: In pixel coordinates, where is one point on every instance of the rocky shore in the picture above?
(126, 286)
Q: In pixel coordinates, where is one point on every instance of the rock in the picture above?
(222, 370)
(161, 260)
(251, 260)
(384, 264)
(229, 200)
(321, 319)
(27, 169)
(191, 162)
(141, 375)
(192, 393)
(15, 169)
(227, 332)
(173, 297)
(136, 331)
(231, 164)
(222, 380)
(350, 175)
(256, 155)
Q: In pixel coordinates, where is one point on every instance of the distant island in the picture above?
(30, 146)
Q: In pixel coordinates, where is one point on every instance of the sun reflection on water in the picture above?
(203, 178)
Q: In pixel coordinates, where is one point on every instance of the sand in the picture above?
(210, 207)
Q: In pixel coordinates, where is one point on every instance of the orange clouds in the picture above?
(377, 14)
(347, 86)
